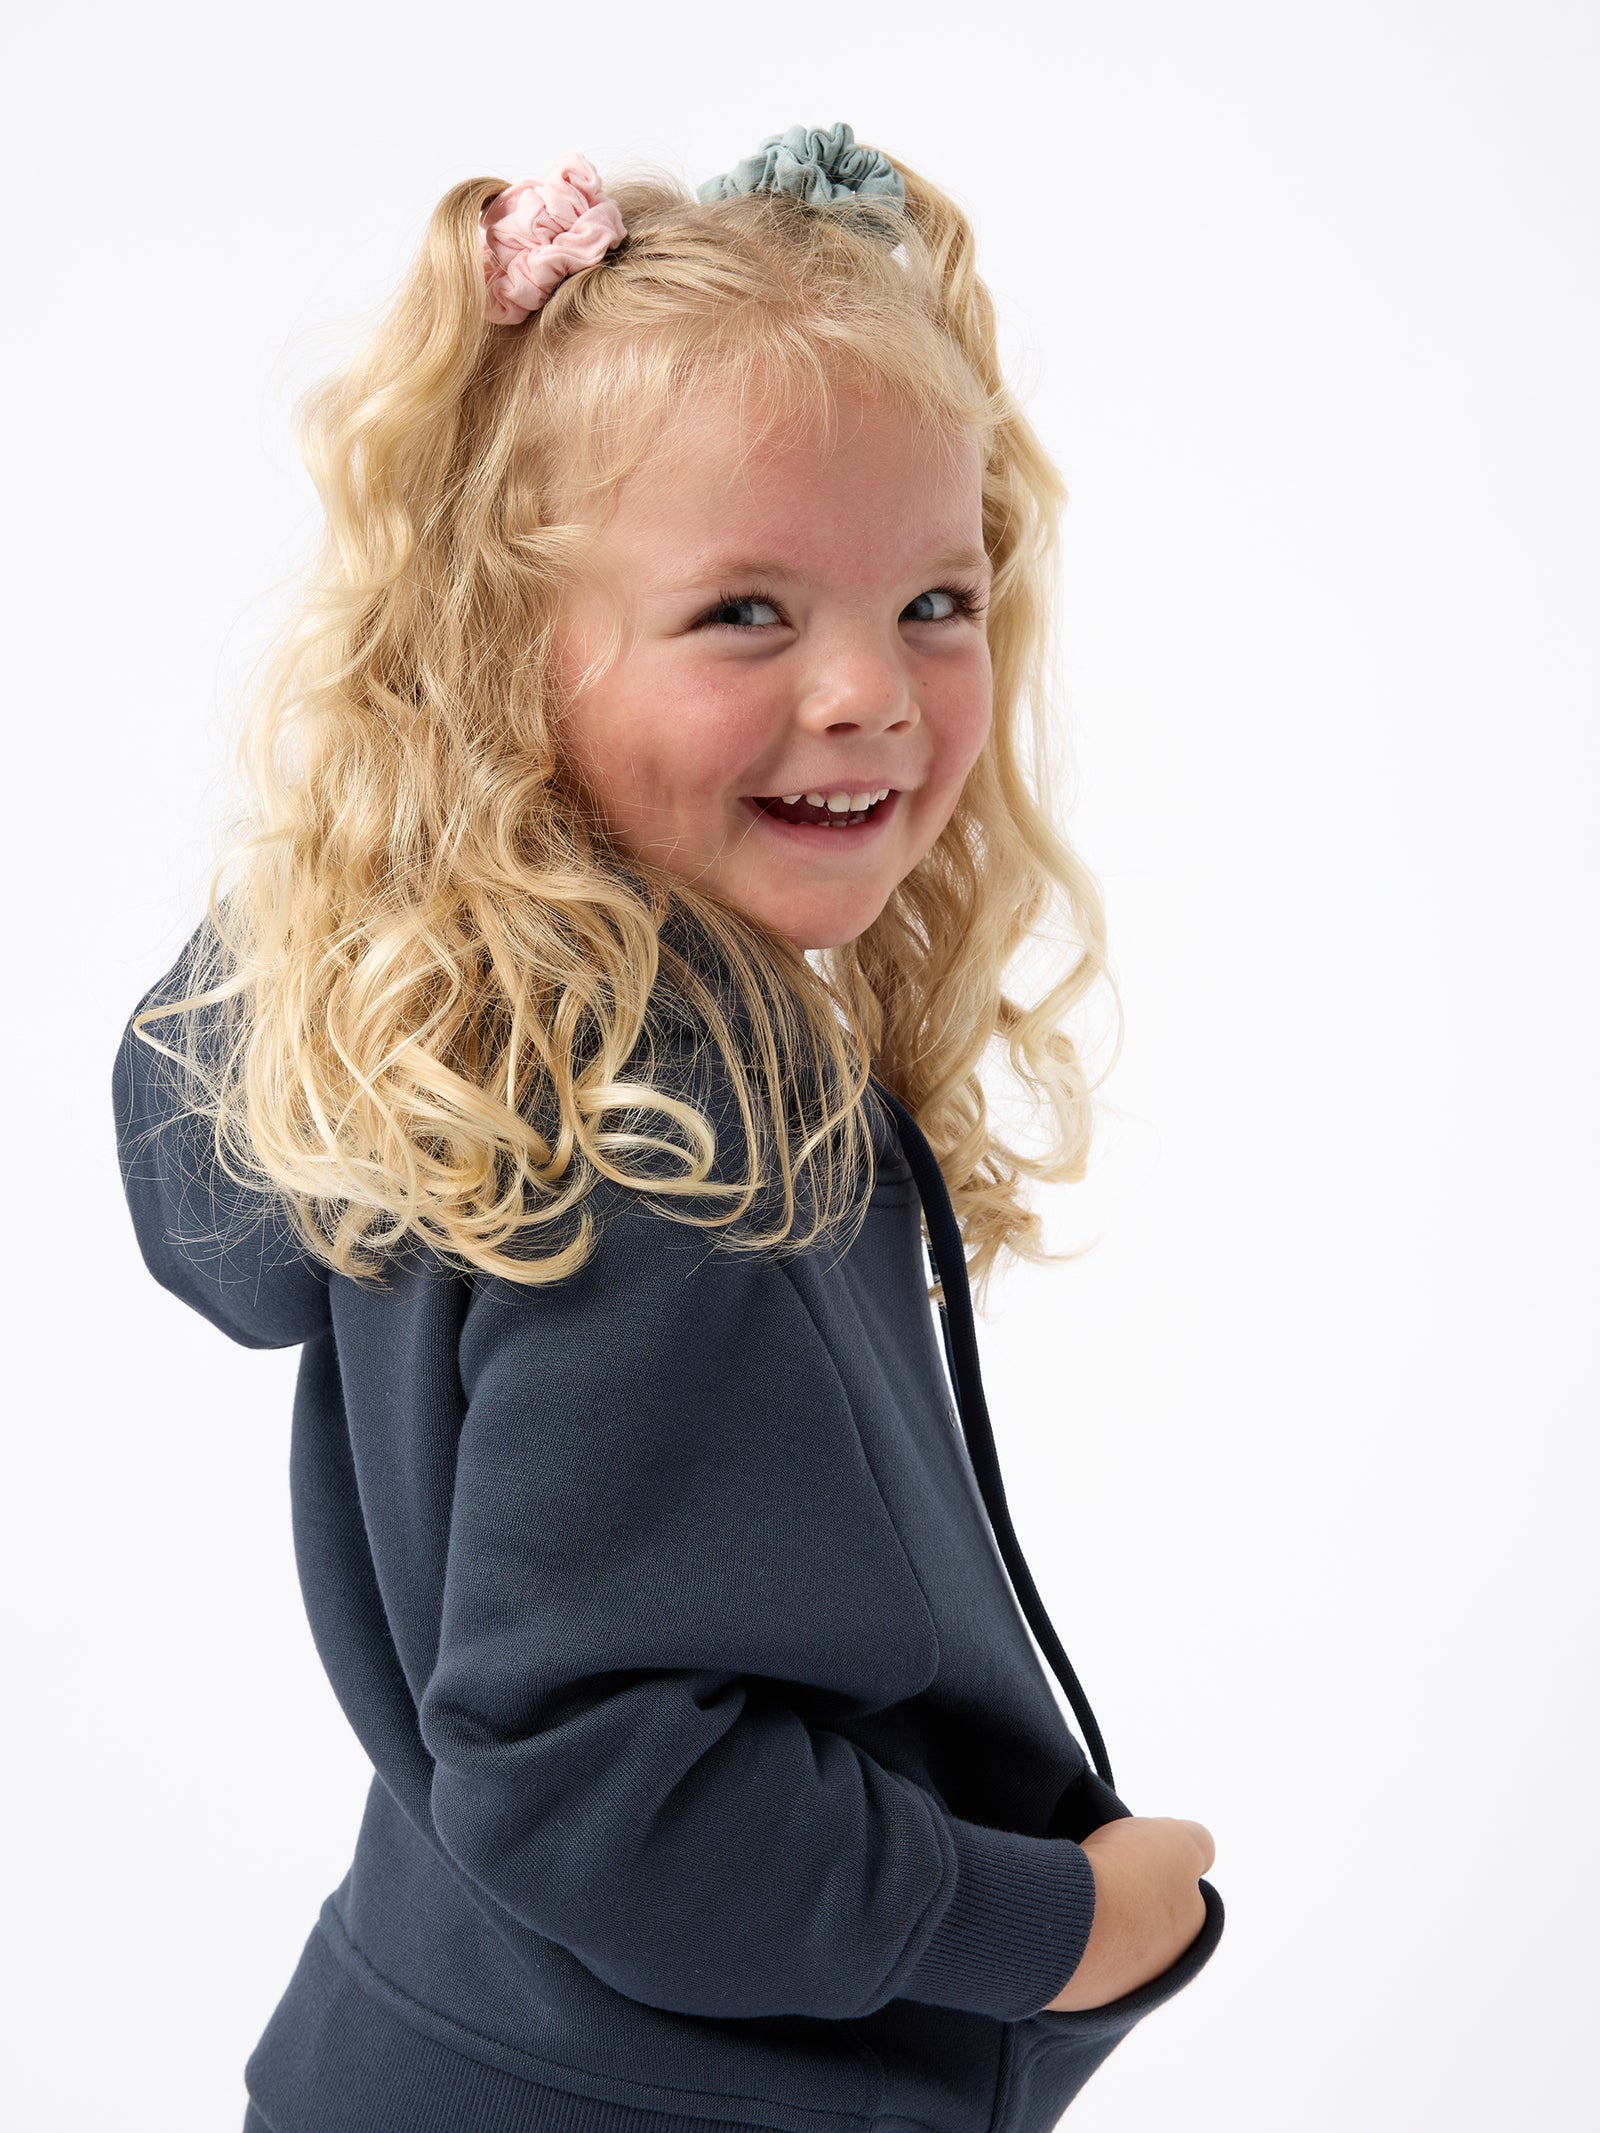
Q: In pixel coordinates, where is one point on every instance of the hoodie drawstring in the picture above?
(961, 1347)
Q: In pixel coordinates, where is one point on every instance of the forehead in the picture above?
(719, 480)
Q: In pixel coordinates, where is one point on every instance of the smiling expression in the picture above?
(803, 612)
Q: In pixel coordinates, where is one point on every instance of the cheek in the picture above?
(591, 719)
(717, 726)
(668, 734)
(965, 713)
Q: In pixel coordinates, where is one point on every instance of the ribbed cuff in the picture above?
(1015, 1928)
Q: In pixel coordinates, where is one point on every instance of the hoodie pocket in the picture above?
(1087, 1804)
(1054, 2054)
(1119, 2016)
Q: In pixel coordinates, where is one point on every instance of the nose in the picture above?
(858, 685)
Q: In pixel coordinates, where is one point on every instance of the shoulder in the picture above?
(650, 1281)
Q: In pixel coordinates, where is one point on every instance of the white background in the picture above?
(1302, 1453)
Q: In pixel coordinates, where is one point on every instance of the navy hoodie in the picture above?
(716, 1779)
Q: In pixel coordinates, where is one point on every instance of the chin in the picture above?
(820, 929)
(809, 922)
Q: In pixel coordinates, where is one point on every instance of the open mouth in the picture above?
(814, 811)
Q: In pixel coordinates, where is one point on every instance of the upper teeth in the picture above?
(837, 803)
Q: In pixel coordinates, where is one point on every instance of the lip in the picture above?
(821, 836)
(838, 785)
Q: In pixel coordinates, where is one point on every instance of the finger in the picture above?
(1204, 1844)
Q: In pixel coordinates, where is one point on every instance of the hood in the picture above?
(228, 1252)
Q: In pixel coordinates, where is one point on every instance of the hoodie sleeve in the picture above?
(228, 1252)
(673, 1596)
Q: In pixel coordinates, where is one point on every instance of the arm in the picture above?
(672, 1592)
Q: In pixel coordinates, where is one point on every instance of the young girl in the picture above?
(642, 833)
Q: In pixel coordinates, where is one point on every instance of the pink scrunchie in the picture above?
(538, 231)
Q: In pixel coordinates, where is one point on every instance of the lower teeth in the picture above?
(809, 819)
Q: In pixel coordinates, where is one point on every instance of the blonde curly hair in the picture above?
(435, 1001)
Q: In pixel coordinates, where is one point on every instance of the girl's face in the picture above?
(798, 618)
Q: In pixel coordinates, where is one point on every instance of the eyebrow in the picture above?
(739, 563)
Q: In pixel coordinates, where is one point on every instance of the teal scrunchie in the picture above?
(811, 165)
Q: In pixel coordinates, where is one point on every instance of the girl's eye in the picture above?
(734, 613)
(961, 601)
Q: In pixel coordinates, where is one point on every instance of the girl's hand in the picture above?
(1147, 1905)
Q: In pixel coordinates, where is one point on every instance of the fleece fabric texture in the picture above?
(716, 1777)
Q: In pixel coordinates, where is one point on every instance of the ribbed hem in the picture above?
(1014, 1930)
